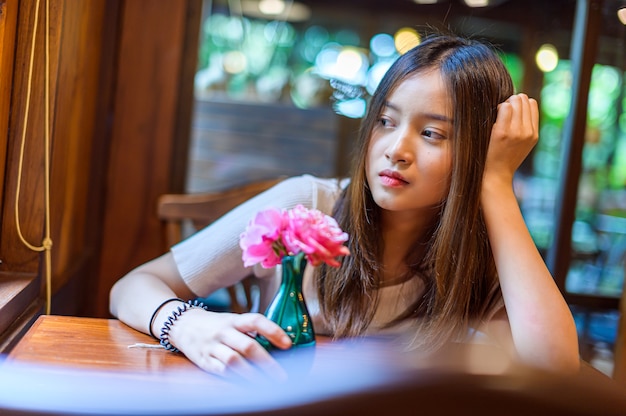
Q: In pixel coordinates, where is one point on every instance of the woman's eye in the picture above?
(385, 122)
(433, 135)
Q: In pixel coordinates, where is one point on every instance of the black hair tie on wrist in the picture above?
(155, 313)
(167, 325)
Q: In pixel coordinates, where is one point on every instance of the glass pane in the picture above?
(599, 231)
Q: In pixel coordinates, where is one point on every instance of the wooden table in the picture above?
(110, 368)
(110, 345)
(92, 343)
(102, 367)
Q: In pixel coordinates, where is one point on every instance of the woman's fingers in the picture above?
(529, 116)
(210, 364)
(259, 324)
(503, 119)
(534, 111)
(513, 135)
(232, 350)
(222, 359)
(246, 357)
(517, 118)
(221, 343)
(524, 116)
(233, 363)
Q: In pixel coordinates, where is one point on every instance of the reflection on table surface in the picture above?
(68, 365)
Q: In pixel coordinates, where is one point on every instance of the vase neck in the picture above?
(293, 271)
(296, 263)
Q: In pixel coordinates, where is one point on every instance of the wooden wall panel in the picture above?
(16, 257)
(81, 58)
(148, 96)
(19, 290)
(83, 110)
(75, 118)
(234, 143)
(8, 29)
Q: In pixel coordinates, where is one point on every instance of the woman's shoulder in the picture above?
(323, 192)
(332, 184)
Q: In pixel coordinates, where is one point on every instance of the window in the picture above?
(19, 282)
(78, 118)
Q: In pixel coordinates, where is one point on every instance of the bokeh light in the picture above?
(406, 39)
(351, 108)
(547, 58)
(375, 75)
(235, 62)
(621, 15)
(477, 3)
(382, 45)
(350, 63)
(272, 7)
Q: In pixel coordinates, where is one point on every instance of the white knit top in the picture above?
(211, 258)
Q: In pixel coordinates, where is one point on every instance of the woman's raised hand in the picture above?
(539, 321)
(224, 344)
(513, 136)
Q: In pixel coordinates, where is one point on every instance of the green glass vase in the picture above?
(288, 308)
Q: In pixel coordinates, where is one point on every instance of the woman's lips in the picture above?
(392, 179)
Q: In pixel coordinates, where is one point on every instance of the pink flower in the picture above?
(316, 234)
(273, 234)
(261, 235)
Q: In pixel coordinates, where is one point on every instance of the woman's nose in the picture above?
(399, 150)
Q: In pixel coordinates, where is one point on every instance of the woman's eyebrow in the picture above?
(438, 117)
(390, 105)
(432, 116)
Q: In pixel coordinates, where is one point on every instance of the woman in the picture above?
(438, 245)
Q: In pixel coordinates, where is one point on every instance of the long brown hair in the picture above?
(461, 285)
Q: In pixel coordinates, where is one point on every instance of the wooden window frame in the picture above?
(20, 282)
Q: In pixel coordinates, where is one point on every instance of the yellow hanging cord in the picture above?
(46, 245)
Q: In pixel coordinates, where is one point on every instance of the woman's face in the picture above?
(410, 150)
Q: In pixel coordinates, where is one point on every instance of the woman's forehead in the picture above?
(426, 89)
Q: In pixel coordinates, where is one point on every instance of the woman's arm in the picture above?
(137, 295)
(209, 260)
(216, 342)
(541, 324)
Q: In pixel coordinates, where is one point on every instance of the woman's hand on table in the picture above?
(223, 343)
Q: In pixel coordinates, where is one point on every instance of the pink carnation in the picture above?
(262, 233)
(316, 234)
(273, 234)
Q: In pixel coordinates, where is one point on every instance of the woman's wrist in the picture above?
(161, 316)
(173, 318)
(494, 184)
(497, 194)
(155, 320)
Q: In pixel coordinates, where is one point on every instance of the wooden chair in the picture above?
(201, 209)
